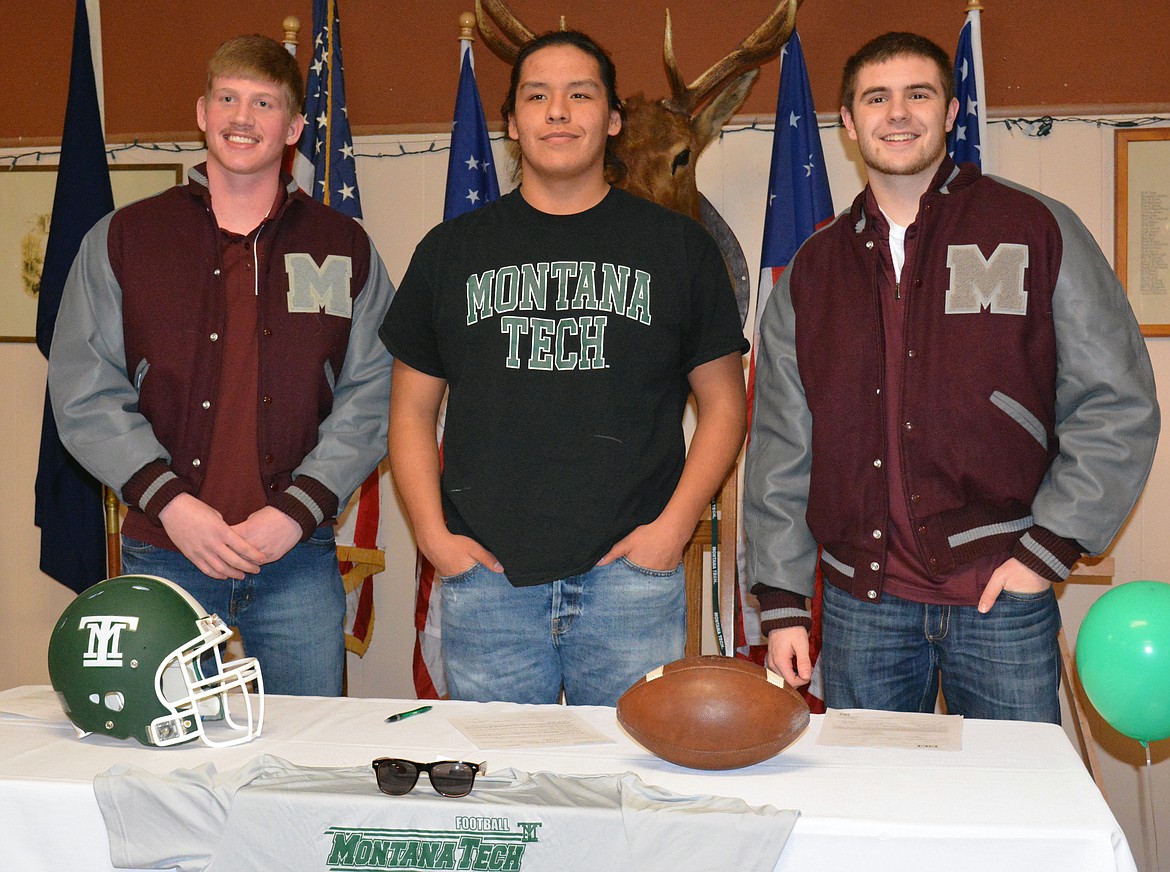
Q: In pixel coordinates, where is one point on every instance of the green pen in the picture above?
(418, 711)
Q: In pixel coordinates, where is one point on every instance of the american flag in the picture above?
(798, 203)
(324, 165)
(965, 142)
(471, 182)
(325, 168)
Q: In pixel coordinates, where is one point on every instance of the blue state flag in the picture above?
(324, 165)
(964, 142)
(68, 499)
(798, 184)
(471, 173)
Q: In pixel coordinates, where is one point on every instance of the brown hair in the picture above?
(261, 58)
(893, 45)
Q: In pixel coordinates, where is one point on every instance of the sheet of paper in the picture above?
(32, 702)
(538, 729)
(858, 728)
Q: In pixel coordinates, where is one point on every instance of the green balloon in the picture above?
(1123, 658)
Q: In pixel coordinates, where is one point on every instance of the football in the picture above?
(712, 712)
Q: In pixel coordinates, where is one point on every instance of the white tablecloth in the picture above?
(1016, 797)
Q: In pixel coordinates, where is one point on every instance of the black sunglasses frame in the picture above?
(381, 762)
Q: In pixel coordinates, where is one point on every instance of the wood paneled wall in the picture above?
(401, 55)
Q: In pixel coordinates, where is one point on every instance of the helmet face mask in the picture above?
(138, 656)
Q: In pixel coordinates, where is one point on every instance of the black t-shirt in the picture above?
(565, 341)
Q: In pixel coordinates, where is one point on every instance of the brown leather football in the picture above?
(712, 712)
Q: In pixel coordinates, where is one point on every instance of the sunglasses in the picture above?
(449, 777)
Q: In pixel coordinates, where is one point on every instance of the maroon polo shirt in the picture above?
(905, 575)
(233, 484)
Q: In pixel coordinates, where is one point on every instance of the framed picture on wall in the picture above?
(1142, 215)
(27, 194)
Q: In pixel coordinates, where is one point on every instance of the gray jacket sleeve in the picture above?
(1107, 417)
(94, 399)
(352, 439)
(781, 551)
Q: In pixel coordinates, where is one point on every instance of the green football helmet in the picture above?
(138, 656)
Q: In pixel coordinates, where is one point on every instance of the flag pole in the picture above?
(110, 507)
(113, 533)
(975, 15)
(466, 28)
(292, 29)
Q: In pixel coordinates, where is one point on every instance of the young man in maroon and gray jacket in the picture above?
(953, 404)
(216, 362)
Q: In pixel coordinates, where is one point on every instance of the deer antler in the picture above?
(765, 43)
(515, 34)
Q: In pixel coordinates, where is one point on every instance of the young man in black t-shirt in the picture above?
(568, 321)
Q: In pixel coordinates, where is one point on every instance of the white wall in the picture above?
(402, 181)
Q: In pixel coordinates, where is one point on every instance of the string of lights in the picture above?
(1032, 127)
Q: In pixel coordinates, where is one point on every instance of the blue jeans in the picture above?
(593, 634)
(890, 655)
(290, 615)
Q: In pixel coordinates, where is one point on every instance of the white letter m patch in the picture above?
(996, 283)
(313, 288)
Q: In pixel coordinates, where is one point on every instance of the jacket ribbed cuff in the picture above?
(781, 608)
(308, 502)
(1047, 554)
(152, 488)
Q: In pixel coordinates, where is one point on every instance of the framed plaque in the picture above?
(27, 194)
(1142, 215)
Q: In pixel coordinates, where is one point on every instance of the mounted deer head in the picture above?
(661, 140)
